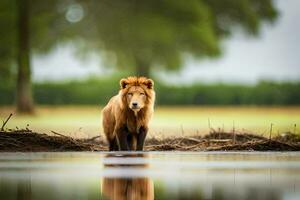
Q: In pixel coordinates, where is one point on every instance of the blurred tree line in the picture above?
(137, 35)
(98, 91)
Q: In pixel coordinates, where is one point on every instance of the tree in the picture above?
(138, 35)
(28, 26)
(144, 34)
(24, 92)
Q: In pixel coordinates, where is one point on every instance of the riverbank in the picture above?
(26, 140)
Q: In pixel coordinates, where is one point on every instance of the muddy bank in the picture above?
(29, 141)
(223, 141)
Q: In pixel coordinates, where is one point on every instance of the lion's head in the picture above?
(137, 92)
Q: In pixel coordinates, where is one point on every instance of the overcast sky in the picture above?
(274, 55)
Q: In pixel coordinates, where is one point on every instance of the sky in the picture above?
(273, 55)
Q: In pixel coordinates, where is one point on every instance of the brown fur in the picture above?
(125, 126)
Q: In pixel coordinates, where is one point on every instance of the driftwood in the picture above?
(29, 141)
(5, 122)
(223, 141)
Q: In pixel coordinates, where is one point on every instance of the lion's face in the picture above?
(137, 92)
(136, 98)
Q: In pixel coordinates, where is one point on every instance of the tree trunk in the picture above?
(24, 93)
(142, 68)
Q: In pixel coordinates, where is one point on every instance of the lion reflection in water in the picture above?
(139, 188)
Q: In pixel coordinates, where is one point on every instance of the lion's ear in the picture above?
(123, 83)
(149, 83)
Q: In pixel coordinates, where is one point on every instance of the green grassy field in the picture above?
(85, 121)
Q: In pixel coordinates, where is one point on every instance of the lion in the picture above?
(127, 115)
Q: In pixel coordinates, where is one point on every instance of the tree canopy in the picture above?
(160, 33)
(137, 34)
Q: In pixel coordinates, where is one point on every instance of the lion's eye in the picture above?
(129, 94)
(142, 93)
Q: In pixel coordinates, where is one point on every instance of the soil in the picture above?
(29, 141)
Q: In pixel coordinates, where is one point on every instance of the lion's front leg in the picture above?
(122, 135)
(141, 138)
(132, 141)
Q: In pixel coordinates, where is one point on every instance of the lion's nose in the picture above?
(134, 104)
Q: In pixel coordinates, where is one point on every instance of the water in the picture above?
(150, 176)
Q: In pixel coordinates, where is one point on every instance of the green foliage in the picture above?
(7, 92)
(48, 28)
(136, 34)
(99, 91)
(160, 32)
(7, 38)
(88, 92)
(264, 93)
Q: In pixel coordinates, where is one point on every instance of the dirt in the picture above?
(29, 141)
(224, 141)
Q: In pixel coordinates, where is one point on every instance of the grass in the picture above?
(85, 121)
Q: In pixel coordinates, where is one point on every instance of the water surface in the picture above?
(152, 175)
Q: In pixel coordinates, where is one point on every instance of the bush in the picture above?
(99, 91)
